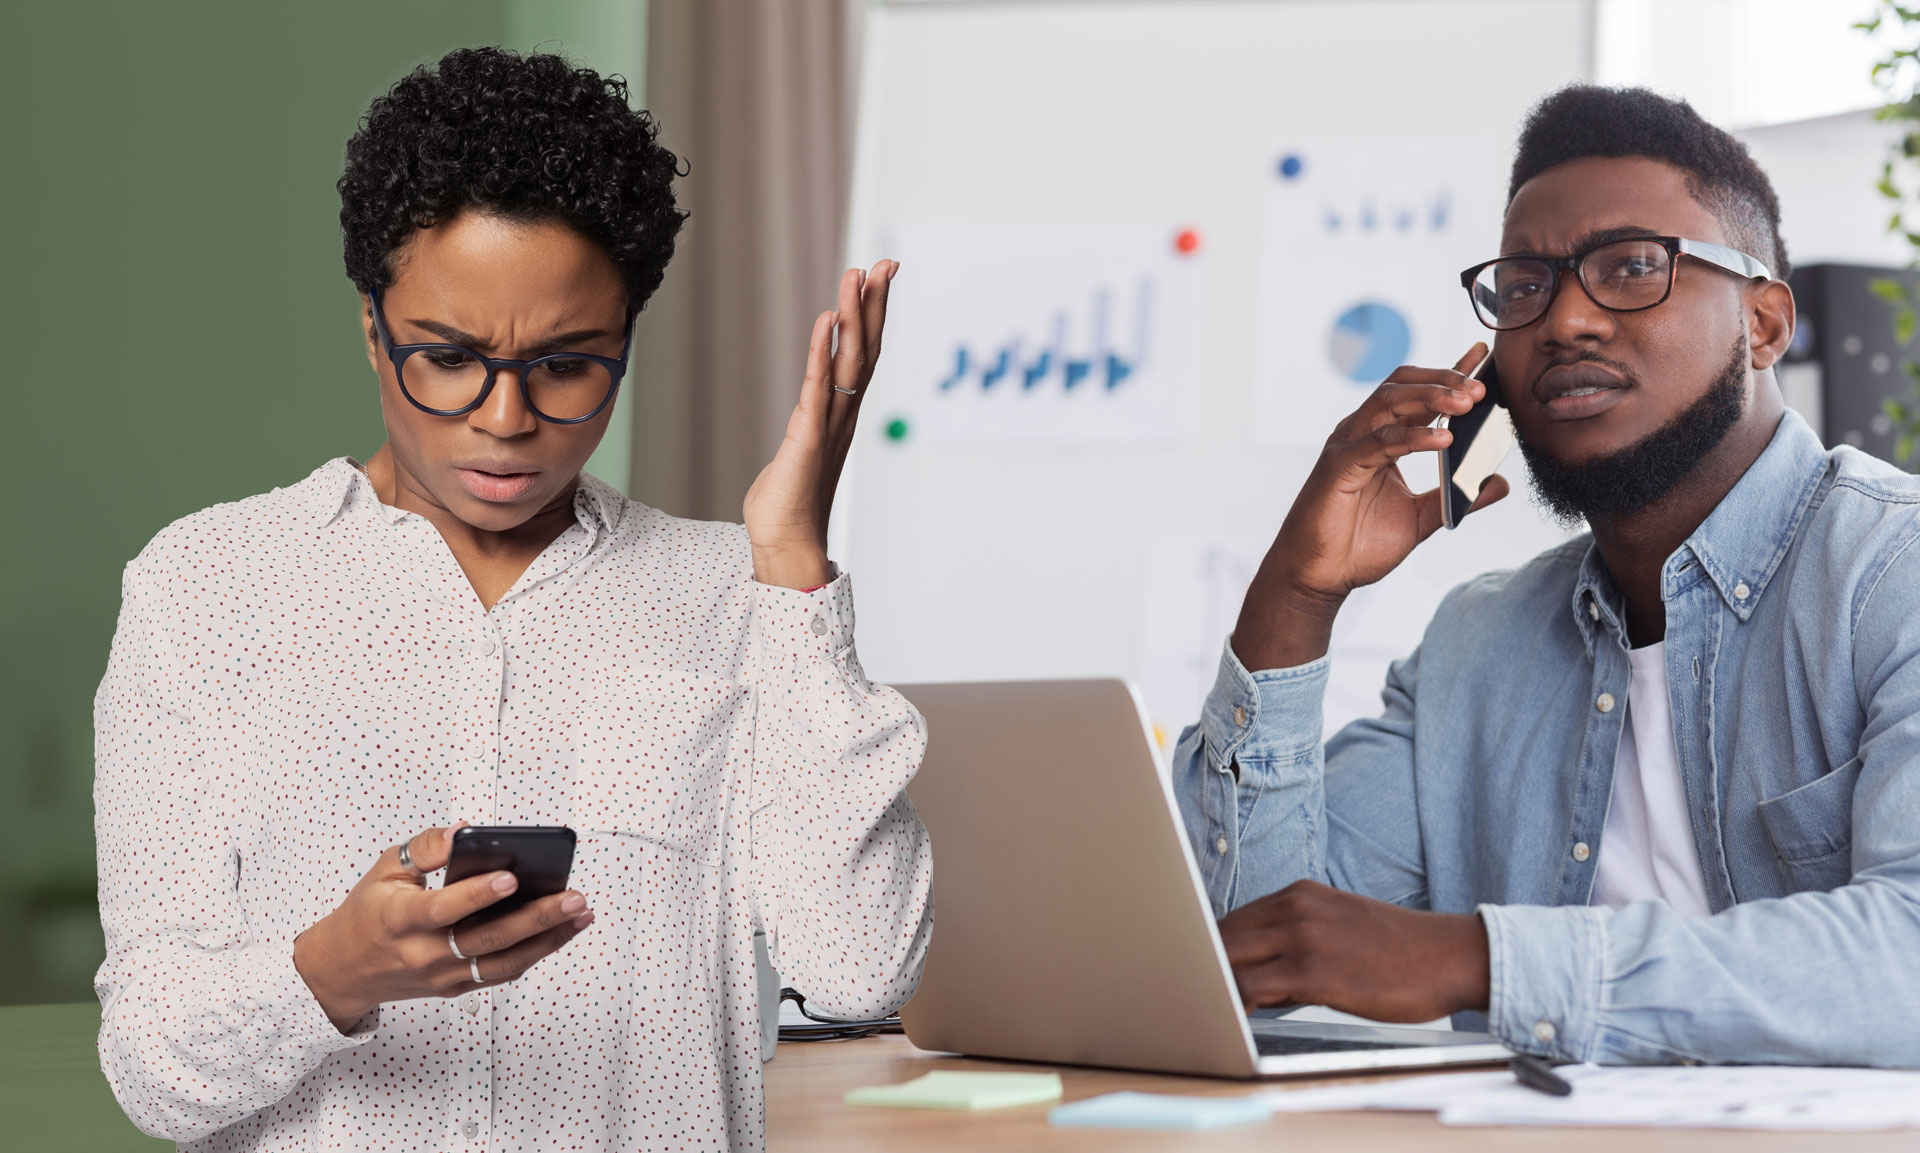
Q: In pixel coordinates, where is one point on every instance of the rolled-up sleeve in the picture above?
(1266, 804)
(842, 866)
(203, 1020)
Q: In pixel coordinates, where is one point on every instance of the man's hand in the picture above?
(1311, 945)
(787, 508)
(1355, 519)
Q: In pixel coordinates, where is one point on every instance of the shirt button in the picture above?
(1740, 591)
(471, 1129)
(1605, 703)
(1220, 846)
(1593, 609)
(1239, 714)
(1581, 852)
(471, 1004)
(819, 627)
(1544, 1032)
(489, 647)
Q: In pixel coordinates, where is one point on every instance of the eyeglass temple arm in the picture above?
(1731, 259)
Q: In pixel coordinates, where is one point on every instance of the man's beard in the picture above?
(1642, 473)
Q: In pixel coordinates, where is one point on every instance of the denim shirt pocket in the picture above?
(1812, 829)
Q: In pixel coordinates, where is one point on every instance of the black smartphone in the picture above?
(541, 856)
(1481, 440)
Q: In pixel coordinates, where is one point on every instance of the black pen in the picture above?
(1537, 1074)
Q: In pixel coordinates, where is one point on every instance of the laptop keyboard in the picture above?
(1283, 1045)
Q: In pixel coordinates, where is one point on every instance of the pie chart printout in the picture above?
(1368, 341)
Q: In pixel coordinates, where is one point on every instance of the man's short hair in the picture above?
(530, 137)
(1585, 120)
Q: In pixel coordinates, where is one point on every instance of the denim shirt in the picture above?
(1793, 672)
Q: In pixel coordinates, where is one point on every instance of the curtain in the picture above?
(753, 94)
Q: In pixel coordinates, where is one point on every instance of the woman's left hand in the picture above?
(787, 508)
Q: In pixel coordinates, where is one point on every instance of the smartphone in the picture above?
(541, 856)
(1481, 439)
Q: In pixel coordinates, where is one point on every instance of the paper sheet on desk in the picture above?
(1716, 1097)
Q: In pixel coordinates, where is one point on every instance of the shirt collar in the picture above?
(1741, 543)
(339, 483)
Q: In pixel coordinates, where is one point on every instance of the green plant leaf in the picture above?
(1888, 289)
(1903, 323)
(1903, 448)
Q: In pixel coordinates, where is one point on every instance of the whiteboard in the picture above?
(1059, 554)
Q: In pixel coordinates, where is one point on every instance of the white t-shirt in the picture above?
(1647, 849)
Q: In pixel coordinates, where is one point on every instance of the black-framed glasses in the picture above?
(1620, 276)
(453, 380)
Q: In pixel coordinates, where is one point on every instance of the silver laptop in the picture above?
(1070, 926)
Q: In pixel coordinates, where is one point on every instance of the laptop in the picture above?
(1070, 926)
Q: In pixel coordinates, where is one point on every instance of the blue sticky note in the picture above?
(1159, 1111)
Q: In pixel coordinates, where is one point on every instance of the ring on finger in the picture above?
(406, 858)
(473, 966)
(846, 391)
(455, 946)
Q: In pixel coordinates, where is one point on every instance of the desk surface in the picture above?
(53, 1099)
(807, 1080)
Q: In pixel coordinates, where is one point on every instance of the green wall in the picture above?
(177, 331)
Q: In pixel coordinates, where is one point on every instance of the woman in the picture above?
(467, 628)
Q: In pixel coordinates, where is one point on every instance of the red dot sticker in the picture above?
(1187, 242)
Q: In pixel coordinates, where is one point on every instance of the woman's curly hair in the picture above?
(531, 137)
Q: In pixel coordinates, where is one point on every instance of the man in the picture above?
(311, 687)
(1652, 796)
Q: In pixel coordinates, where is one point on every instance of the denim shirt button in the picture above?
(1581, 852)
(1239, 714)
(1220, 845)
(1605, 703)
(1741, 591)
(1593, 608)
(1544, 1032)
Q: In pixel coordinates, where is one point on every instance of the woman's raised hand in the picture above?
(786, 510)
(389, 940)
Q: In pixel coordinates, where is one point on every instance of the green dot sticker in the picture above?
(897, 429)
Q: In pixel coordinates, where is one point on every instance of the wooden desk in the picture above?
(53, 1099)
(807, 1080)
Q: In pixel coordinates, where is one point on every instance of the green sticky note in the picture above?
(965, 1091)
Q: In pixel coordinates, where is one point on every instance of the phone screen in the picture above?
(1481, 440)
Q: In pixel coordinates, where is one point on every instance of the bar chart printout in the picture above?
(1031, 334)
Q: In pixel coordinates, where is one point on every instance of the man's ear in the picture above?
(1770, 318)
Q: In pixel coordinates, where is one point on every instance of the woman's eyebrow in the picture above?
(554, 343)
(560, 341)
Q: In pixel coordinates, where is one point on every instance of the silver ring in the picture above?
(473, 966)
(846, 391)
(406, 858)
(455, 946)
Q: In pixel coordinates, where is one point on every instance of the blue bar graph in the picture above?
(1098, 358)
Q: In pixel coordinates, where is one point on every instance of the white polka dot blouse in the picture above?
(304, 678)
